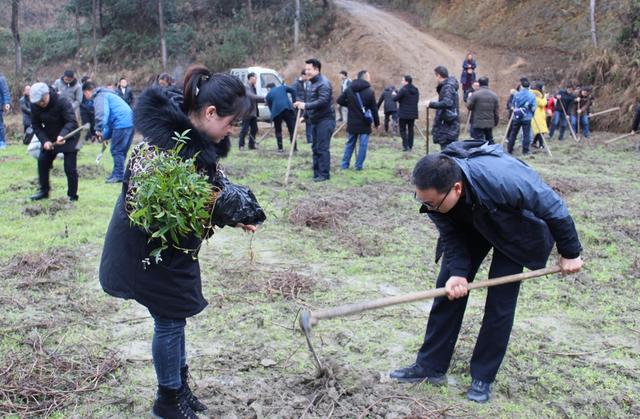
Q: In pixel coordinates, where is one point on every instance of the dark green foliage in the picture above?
(171, 199)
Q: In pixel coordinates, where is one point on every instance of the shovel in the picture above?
(308, 319)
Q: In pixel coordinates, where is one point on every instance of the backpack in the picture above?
(368, 116)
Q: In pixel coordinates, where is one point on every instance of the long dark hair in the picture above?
(224, 91)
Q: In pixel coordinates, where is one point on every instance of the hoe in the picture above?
(308, 319)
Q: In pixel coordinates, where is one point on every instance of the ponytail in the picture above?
(224, 91)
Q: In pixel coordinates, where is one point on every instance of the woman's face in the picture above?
(214, 126)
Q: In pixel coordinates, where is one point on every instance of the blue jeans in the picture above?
(168, 349)
(558, 121)
(351, 145)
(322, 132)
(120, 143)
(2, 133)
(584, 125)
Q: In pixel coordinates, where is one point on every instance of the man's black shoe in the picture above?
(186, 393)
(320, 179)
(416, 374)
(479, 392)
(40, 195)
(73, 198)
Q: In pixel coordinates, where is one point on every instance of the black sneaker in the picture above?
(479, 392)
(416, 374)
(41, 194)
(320, 179)
(73, 198)
(171, 405)
(195, 404)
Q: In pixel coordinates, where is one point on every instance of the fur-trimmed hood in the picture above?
(158, 116)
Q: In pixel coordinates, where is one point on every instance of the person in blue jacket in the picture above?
(5, 106)
(281, 110)
(524, 106)
(114, 121)
(482, 199)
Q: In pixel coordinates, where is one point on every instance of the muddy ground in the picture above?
(68, 350)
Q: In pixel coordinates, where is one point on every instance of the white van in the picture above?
(264, 76)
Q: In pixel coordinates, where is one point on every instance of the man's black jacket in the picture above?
(512, 207)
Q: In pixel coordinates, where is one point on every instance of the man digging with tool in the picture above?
(480, 198)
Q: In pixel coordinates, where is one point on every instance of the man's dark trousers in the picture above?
(526, 135)
(45, 160)
(287, 116)
(249, 125)
(406, 132)
(322, 132)
(446, 316)
(482, 134)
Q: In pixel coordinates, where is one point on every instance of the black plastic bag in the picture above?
(236, 204)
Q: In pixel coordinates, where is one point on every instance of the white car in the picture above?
(264, 76)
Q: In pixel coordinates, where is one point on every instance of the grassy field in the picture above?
(69, 350)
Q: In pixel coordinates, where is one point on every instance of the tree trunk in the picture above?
(250, 13)
(94, 11)
(296, 26)
(100, 17)
(15, 11)
(77, 18)
(163, 43)
(594, 38)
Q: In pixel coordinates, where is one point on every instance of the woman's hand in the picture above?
(247, 227)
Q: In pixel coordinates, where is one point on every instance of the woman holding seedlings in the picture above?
(170, 286)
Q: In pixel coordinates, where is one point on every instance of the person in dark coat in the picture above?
(467, 79)
(250, 122)
(581, 110)
(390, 108)
(485, 111)
(171, 289)
(446, 123)
(407, 99)
(25, 107)
(281, 110)
(53, 117)
(564, 103)
(301, 87)
(124, 91)
(320, 111)
(482, 199)
(87, 113)
(360, 101)
(636, 120)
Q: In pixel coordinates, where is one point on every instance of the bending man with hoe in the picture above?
(481, 199)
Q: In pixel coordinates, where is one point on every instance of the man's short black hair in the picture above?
(362, 73)
(441, 71)
(250, 75)
(344, 73)
(315, 63)
(483, 81)
(408, 79)
(436, 171)
(270, 85)
(88, 86)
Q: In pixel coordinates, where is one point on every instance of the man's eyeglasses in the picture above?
(428, 205)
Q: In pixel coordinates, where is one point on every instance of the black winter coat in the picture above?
(319, 102)
(171, 288)
(25, 108)
(512, 208)
(57, 119)
(407, 99)
(127, 96)
(387, 97)
(446, 124)
(356, 123)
